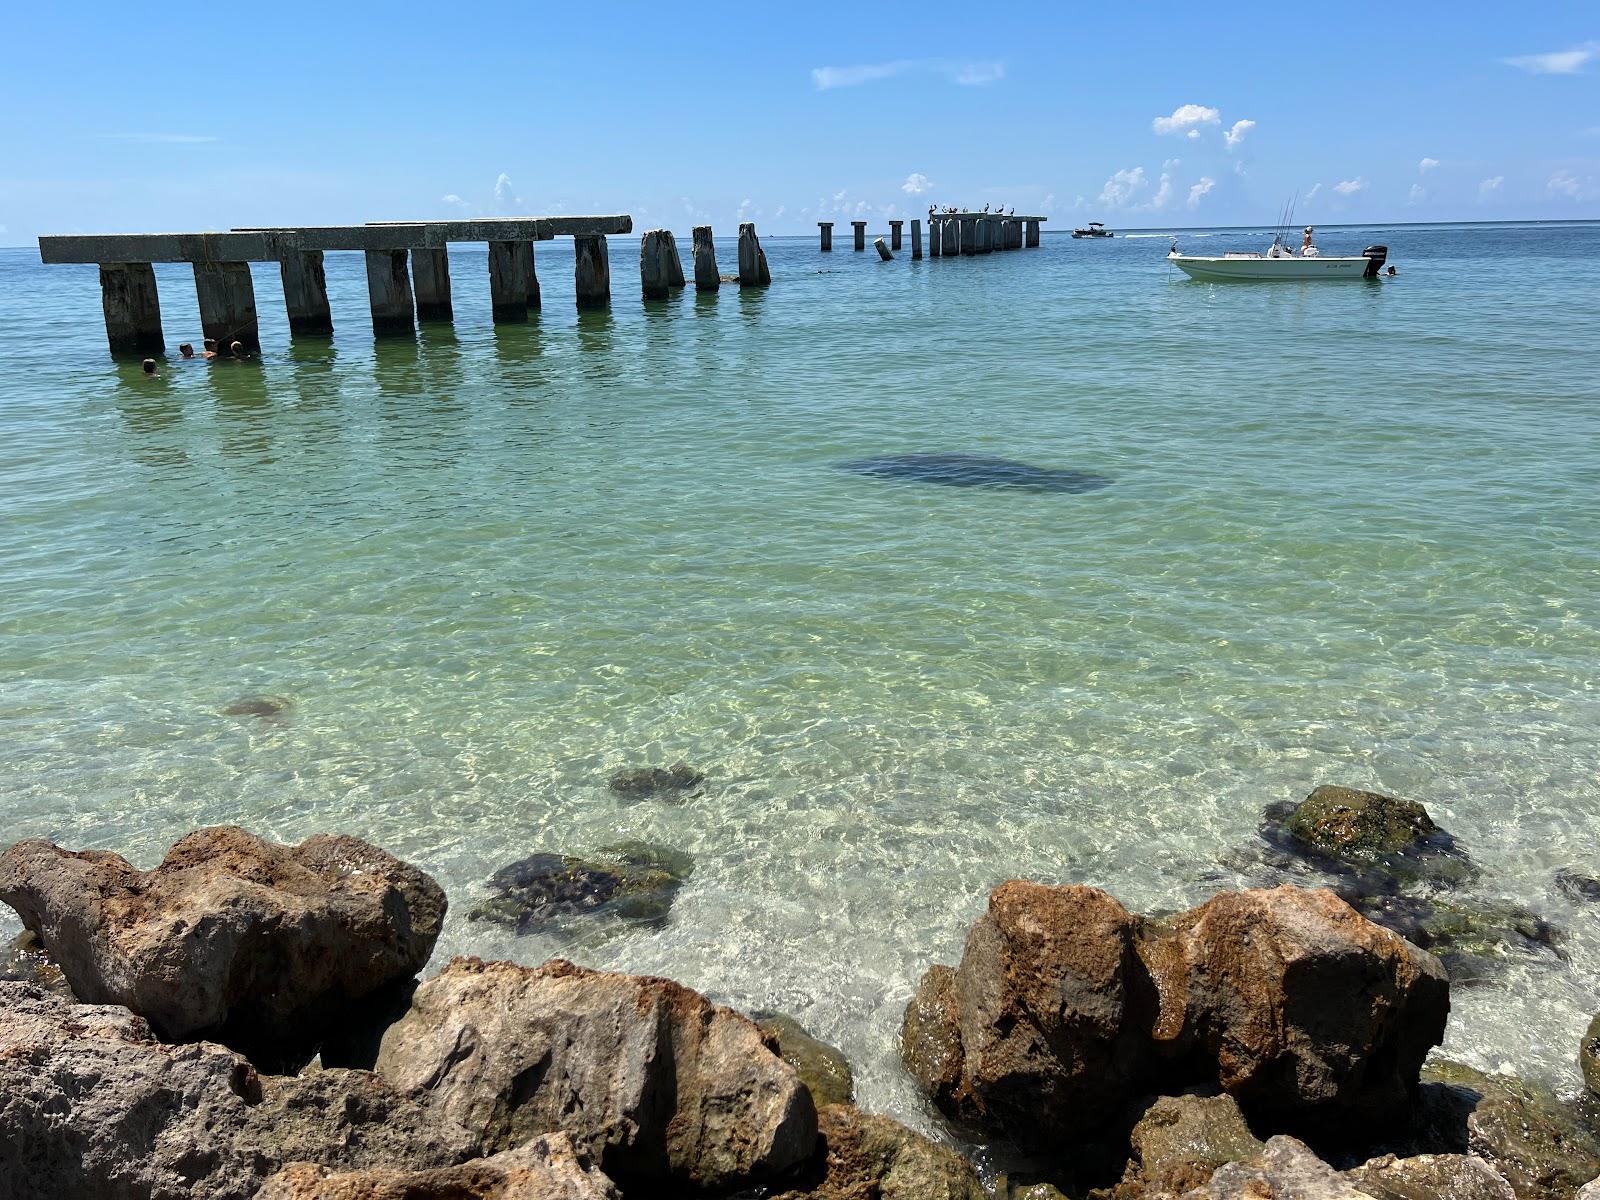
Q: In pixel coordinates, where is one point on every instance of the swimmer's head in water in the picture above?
(149, 366)
(186, 350)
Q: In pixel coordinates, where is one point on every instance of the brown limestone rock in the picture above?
(1307, 1009)
(1285, 1170)
(1181, 1141)
(867, 1157)
(648, 1077)
(1430, 1177)
(253, 943)
(547, 1168)
(823, 1069)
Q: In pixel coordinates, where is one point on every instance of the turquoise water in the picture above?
(1350, 537)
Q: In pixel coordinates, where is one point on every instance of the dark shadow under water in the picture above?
(975, 471)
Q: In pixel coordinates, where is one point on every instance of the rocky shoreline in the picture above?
(250, 1019)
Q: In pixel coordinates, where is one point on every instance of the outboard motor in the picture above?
(1376, 256)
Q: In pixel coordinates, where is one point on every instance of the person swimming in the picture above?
(186, 350)
(149, 367)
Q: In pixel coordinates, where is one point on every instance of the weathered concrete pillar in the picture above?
(916, 238)
(883, 251)
(952, 235)
(591, 270)
(1016, 235)
(674, 260)
(1033, 233)
(894, 234)
(511, 281)
(430, 284)
(861, 234)
(827, 236)
(969, 235)
(132, 307)
(389, 291)
(982, 236)
(653, 265)
(305, 293)
(935, 237)
(227, 298)
(752, 259)
(707, 278)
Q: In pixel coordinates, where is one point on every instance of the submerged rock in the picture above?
(254, 944)
(92, 1104)
(824, 1070)
(25, 960)
(1578, 886)
(864, 1157)
(673, 783)
(547, 1168)
(1065, 1007)
(1430, 1177)
(633, 880)
(1388, 844)
(649, 1078)
(1471, 937)
(265, 707)
(975, 470)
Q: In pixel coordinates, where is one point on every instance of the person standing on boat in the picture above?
(1305, 246)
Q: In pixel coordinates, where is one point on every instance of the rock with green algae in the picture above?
(1471, 937)
(25, 960)
(1179, 1143)
(1543, 1147)
(867, 1157)
(1286, 1169)
(1589, 1057)
(1387, 843)
(674, 784)
(1430, 1177)
(823, 1069)
(633, 880)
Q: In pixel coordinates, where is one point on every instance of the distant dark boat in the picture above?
(975, 471)
(1092, 230)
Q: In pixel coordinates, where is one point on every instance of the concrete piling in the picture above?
(952, 236)
(860, 228)
(592, 271)
(752, 259)
(132, 307)
(894, 234)
(227, 297)
(969, 235)
(430, 284)
(935, 237)
(389, 291)
(674, 260)
(916, 239)
(1033, 233)
(305, 293)
(883, 250)
(511, 280)
(653, 272)
(707, 278)
(826, 228)
(983, 236)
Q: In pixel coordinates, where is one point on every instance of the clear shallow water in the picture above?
(1351, 537)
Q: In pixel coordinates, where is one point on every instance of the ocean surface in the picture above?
(1342, 533)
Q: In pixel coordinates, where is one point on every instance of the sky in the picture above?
(118, 117)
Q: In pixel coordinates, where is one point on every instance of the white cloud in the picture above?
(1163, 192)
(453, 200)
(505, 192)
(1236, 135)
(967, 74)
(165, 139)
(778, 213)
(1560, 62)
(1122, 187)
(1186, 117)
(1168, 164)
(1312, 194)
(1417, 195)
(1192, 134)
(1199, 190)
(1349, 187)
(1427, 165)
(744, 209)
(1565, 183)
(1490, 186)
(916, 183)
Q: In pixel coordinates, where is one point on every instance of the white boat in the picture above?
(1092, 230)
(1280, 262)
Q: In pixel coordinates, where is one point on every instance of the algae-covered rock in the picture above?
(1350, 823)
(866, 1157)
(1578, 886)
(1181, 1141)
(823, 1069)
(1589, 1057)
(1286, 1169)
(1430, 1177)
(633, 880)
(674, 784)
(1471, 936)
(1542, 1146)
(25, 960)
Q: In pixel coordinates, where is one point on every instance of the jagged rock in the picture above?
(1578, 886)
(25, 960)
(1307, 1010)
(1180, 1142)
(1430, 1177)
(825, 1072)
(1541, 1146)
(1386, 843)
(547, 1168)
(1038, 1191)
(1589, 1191)
(92, 1104)
(674, 783)
(1589, 1057)
(866, 1157)
(1285, 1170)
(647, 1076)
(257, 945)
(1064, 1008)
(635, 881)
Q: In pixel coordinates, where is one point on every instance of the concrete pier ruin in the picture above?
(752, 259)
(408, 272)
(707, 277)
(970, 233)
(860, 228)
(826, 230)
(894, 234)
